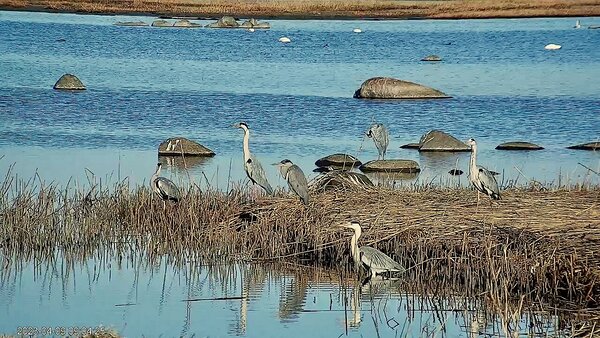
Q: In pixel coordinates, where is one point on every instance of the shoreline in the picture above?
(432, 10)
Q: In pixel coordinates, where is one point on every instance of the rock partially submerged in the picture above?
(455, 172)
(518, 145)
(437, 140)
(178, 146)
(432, 58)
(224, 22)
(397, 166)
(586, 146)
(338, 160)
(411, 146)
(69, 82)
(253, 23)
(389, 88)
(161, 23)
(131, 23)
(184, 23)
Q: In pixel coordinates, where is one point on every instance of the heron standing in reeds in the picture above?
(381, 137)
(164, 187)
(252, 166)
(295, 178)
(481, 178)
(376, 261)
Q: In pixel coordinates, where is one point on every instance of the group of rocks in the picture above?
(224, 22)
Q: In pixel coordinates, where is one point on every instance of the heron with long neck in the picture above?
(252, 166)
(376, 261)
(481, 178)
(295, 178)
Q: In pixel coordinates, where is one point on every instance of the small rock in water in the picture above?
(69, 82)
(586, 146)
(432, 58)
(518, 145)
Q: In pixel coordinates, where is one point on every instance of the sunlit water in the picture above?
(147, 84)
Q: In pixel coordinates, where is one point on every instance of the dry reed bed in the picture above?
(454, 9)
(542, 244)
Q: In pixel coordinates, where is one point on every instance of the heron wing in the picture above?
(488, 182)
(257, 175)
(167, 189)
(381, 138)
(297, 182)
(377, 260)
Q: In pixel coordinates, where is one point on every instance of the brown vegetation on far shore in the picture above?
(440, 9)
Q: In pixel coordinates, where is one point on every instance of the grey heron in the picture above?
(253, 168)
(376, 261)
(164, 187)
(295, 178)
(482, 179)
(381, 137)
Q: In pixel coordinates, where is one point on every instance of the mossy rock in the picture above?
(338, 160)
(389, 88)
(437, 140)
(518, 145)
(396, 166)
(586, 146)
(69, 82)
(175, 146)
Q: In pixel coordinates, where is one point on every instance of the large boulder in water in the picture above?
(586, 146)
(396, 166)
(253, 23)
(69, 82)
(177, 145)
(338, 160)
(224, 22)
(518, 145)
(437, 140)
(389, 88)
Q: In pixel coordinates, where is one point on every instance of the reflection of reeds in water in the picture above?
(542, 244)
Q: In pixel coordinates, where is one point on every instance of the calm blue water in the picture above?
(136, 298)
(147, 84)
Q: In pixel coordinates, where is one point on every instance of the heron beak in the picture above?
(276, 164)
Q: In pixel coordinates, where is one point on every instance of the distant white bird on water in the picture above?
(250, 29)
(577, 24)
(357, 30)
(284, 39)
(552, 46)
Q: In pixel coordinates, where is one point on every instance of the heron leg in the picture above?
(164, 205)
(478, 193)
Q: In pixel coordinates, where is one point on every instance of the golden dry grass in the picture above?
(543, 244)
(454, 9)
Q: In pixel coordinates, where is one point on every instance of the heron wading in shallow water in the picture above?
(481, 178)
(164, 187)
(252, 166)
(376, 261)
(381, 137)
(295, 178)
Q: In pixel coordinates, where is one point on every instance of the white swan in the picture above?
(357, 30)
(284, 39)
